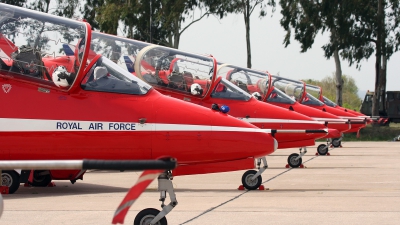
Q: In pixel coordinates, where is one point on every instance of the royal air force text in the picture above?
(96, 126)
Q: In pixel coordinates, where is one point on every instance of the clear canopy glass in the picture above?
(251, 81)
(106, 76)
(227, 90)
(329, 102)
(173, 69)
(311, 100)
(314, 91)
(35, 45)
(294, 89)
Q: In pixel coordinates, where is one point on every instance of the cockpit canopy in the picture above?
(329, 102)
(41, 47)
(314, 91)
(292, 88)
(106, 76)
(121, 51)
(173, 69)
(251, 81)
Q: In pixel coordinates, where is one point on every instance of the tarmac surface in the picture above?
(356, 184)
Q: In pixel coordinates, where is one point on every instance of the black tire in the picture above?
(293, 162)
(40, 180)
(146, 215)
(336, 142)
(10, 178)
(322, 150)
(251, 184)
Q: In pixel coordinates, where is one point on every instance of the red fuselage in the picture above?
(319, 115)
(264, 116)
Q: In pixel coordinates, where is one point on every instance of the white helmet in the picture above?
(196, 89)
(256, 95)
(60, 75)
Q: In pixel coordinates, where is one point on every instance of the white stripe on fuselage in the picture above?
(39, 125)
(352, 118)
(264, 120)
(330, 120)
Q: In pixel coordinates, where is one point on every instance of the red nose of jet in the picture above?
(332, 121)
(200, 135)
(291, 129)
(332, 133)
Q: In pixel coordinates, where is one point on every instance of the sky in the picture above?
(225, 39)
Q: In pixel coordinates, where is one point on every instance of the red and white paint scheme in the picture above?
(316, 91)
(194, 78)
(302, 94)
(63, 106)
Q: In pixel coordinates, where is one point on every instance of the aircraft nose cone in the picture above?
(275, 144)
(333, 133)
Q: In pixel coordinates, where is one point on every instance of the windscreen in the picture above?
(314, 91)
(328, 102)
(279, 97)
(121, 51)
(173, 69)
(248, 80)
(40, 47)
(227, 90)
(294, 89)
(311, 100)
(106, 76)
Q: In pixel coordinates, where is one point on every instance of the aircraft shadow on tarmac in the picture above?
(63, 188)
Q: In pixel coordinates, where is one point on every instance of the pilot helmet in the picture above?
(60, 76)
(256, 95)
(196, 89)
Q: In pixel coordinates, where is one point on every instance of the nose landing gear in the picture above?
(152, 216)
(252, 179)
(295, 160)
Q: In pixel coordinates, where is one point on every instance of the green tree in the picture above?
(247, 7)
(19, 3)
(308, 18)
(350, 90)
(358, 28)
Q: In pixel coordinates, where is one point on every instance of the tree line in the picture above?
(358, 28)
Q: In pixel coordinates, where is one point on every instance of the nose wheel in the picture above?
(336, 142)
(145, 216)
(250, 181)
(294, 160)
(322, 149)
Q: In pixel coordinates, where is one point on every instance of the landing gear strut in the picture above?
(152, 216)
(252, 179)
(294, 160)
(323, 149)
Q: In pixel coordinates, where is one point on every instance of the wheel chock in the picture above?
(328, 153)
(27, 185)
(261, 188)
(4, 190)
(340, 146)
(241, 188)
(302, 165)
(51, 184)
(287, 166)
(316, 153)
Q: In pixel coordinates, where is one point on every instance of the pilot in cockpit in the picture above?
(62, 78)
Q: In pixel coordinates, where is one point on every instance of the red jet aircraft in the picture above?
(275, 93)
(62, 107)
(303, 96)
(193, 78)
(328, 102)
